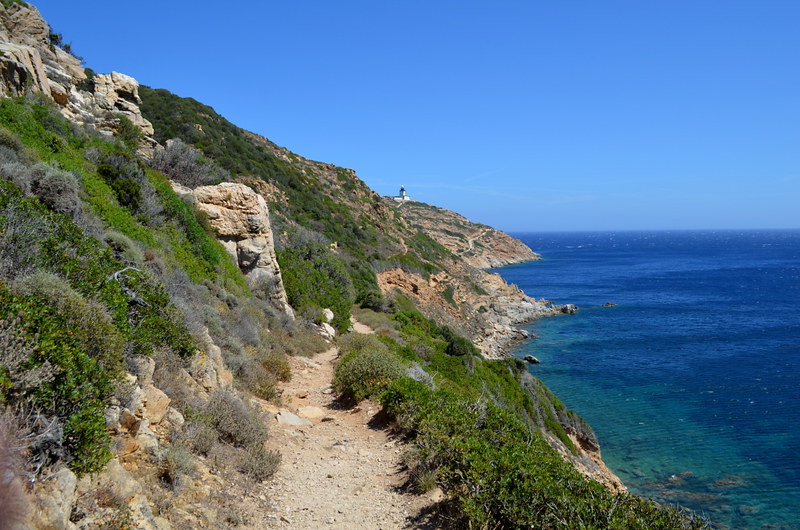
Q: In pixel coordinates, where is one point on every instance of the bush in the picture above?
(278, 365)
(257, 380)
(315, 278)
(258, 462)
(75, 387)
(201, 436)
(124, 248)
(357, 342)
(366, 373)
(175, 462)
(186, 165)
(88, 320)
(235, 421)
(130, 134)
(460, 346)
(57, 189)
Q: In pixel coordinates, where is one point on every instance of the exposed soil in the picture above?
(344, 469)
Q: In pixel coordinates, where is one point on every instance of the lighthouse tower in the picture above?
(402, 197)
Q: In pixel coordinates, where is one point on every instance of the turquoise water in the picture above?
(692, 380)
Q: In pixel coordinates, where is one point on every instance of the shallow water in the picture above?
(692, 381)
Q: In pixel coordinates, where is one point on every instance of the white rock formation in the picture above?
(240, 218)
(29, 63)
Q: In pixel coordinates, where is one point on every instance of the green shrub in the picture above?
(79, 386)
(502, 475)
(366, 373)
(314, 278)
(88, 320)
(460, 346)
(129, 133)
(357, 342)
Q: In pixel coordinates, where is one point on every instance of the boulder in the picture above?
(146, 438)
(142, 367)
(287, 419)
(327, 330)
(53, 499)
(156, 404)
(240, 218)
(174, 418)
(121, 482)
(21, 69)
(311, 413)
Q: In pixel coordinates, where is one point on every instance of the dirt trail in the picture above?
(341, 468)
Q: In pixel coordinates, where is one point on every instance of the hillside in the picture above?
(378, 246)
(182, 312)
(480, 246)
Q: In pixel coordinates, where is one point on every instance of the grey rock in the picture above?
(287, 419)
(53, 501)
(142, 367)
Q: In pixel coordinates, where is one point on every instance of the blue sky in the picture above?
(525, 115)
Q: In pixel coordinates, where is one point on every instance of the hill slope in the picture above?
(479, 245)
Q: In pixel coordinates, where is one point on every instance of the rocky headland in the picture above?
(479, 245)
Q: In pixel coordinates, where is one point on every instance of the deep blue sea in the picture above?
(692, 380)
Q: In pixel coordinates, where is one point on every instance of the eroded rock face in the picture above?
(29, 63)
(240, 218)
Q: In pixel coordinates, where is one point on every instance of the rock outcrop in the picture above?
(30, 62)
(475, 303)
(479, 245)
(240, 218)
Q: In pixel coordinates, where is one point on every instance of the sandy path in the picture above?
(340, 470)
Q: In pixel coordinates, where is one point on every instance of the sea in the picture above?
(691, 379)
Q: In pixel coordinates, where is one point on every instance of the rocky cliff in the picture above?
(31, 62)
(479, 245)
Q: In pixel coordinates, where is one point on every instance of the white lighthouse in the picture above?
(402, 197)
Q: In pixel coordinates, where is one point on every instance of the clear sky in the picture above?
(525, 115)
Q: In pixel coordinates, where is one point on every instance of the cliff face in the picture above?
(479, 245)
(31, 62)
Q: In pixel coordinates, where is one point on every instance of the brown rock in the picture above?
(156, 404)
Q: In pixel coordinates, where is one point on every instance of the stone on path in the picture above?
(312, 413)
(287, 419)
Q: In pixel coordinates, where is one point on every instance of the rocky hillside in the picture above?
(163, 273)
(378, 245)
(479, 245)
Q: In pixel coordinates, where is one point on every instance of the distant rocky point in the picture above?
(479, 245)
